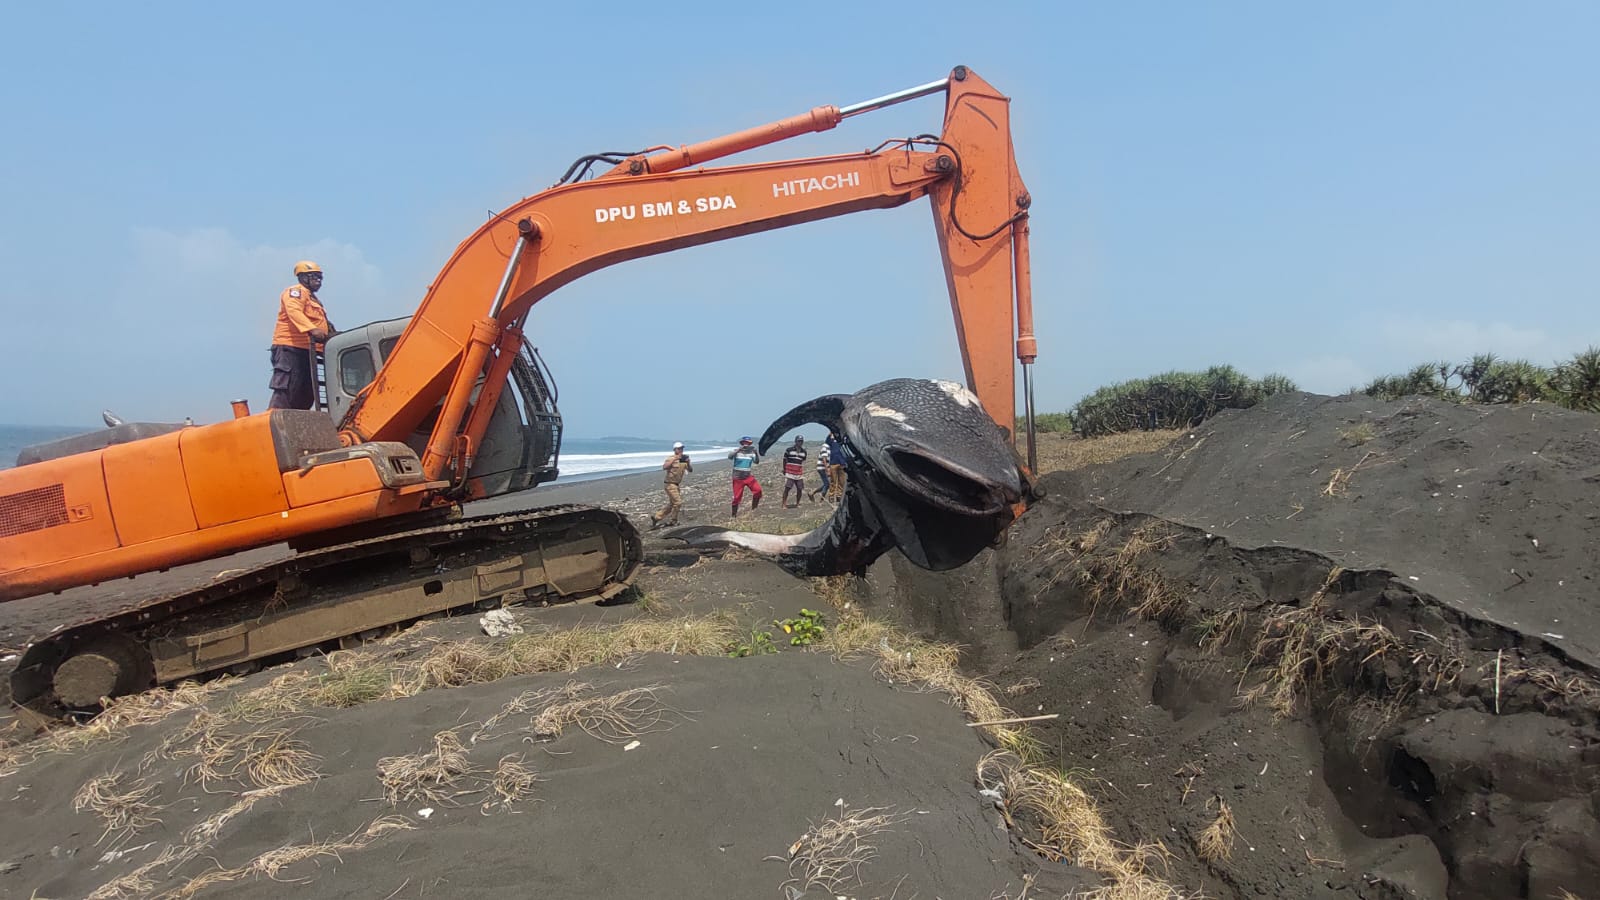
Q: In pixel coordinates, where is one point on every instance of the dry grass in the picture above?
(1064, 453)
(1060, 821)
(1189, 772)
(351, 679)
(906, 660)
(125, 809)
(513, 782)
(1339, 483)
(355, 677)
(206, 832)
(837, 591)
(265, 758)
(1216, 841)
(140, 883)
(1116, 577)
(614, 718)
(1570, 687)
(1304, 647)
(1023, 686)
(1219, 629)
(1358, 434)
(113, 723)
(831, 853)
(431, 776)
(526, 702)
(1295, 649)
(274, 864)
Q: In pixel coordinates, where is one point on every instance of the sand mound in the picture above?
(1328, 646)
(1494, 510)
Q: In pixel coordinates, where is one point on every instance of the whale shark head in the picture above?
(929, 472)
(933, 441)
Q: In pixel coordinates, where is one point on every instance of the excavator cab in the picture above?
(522, 446)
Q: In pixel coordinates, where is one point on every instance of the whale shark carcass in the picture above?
(929, 473)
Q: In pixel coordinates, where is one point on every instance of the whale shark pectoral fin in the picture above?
(825, 410)
(695, 535)
(708, 536)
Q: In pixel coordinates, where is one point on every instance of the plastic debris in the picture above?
(499, 623)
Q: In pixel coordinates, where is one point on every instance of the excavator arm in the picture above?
(468, 326)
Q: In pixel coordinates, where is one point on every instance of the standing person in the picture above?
(675, 466)
(794, 471)
(301, 321)
(835, 468)
(822, 472)
(744, 476)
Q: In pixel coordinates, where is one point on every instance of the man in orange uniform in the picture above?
(301, 321)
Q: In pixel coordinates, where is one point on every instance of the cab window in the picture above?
(355, 369)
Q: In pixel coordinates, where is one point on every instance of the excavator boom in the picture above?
(653, 204)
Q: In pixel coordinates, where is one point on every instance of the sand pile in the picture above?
(1329, 647)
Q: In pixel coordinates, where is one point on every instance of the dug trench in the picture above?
(1282, 724)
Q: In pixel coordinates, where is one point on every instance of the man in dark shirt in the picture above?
(794, 471)
(835, 468)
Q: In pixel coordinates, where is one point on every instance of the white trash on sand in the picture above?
(499, 623)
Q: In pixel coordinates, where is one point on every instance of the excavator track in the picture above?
(317, 599)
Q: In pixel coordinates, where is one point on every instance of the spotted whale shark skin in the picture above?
(930, 474)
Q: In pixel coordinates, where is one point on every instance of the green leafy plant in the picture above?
(1171, 400)
(760, 644)
(1576, 382)
(1486, 378)
(803, 629)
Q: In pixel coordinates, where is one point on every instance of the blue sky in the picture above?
(1332, 192)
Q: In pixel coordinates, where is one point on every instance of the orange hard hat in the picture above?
(305, 265)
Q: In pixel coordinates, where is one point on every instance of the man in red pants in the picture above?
(744, 462)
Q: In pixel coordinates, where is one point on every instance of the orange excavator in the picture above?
(370, 496)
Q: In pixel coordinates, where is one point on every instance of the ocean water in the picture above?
(585, 458)
(581, 458)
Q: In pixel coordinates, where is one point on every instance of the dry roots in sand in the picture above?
(615, 718)
(831, 853)
(355, 677)
(119, 715)
(268, 758)
(274, 864)
(1216, 841)
(197, 840)
(513, 781)
(125, 810)
(433, 776)
(1058, 820)
(1045, 810)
